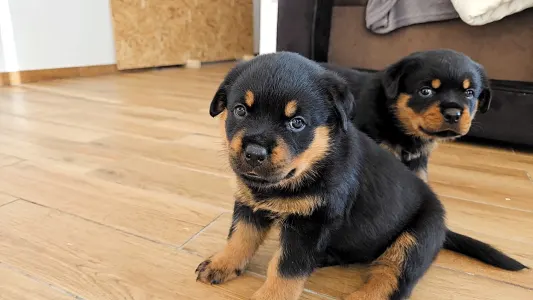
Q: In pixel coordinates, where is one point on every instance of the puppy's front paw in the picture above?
(216, 271)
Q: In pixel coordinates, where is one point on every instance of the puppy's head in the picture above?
(279, 115)
(436, 94)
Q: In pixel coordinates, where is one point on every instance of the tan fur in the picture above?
(290, 108)
(466, 84)
(436, 83)
(316, 151)
(466, 120)
(276, 287)
(422, 174)
(385, 271)
(249, 98)
(236, 143)
(409, 119)
(430, 119)
(222, 127)
(280, 153)
(303, 206)
(240, 248)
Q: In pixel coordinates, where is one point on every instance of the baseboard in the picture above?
(20, 77)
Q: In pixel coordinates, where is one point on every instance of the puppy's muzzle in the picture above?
(255, 155)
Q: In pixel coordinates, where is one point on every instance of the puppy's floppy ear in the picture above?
(486, 92)
(220, 100)
(392, 76)
(340, 96)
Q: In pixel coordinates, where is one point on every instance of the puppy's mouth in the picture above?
(256, 179)
(447, 133)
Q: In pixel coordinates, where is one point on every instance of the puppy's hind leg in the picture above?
(393, 275)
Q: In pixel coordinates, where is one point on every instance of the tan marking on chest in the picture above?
(303, 206)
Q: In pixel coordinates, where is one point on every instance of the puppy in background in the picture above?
(422, 99)
(337, 197)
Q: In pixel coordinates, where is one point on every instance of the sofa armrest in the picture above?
(304, 27)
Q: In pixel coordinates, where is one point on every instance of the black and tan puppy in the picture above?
(424, 98)
(337, 196)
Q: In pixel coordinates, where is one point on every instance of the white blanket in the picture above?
(479, 12)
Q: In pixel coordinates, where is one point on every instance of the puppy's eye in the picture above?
(425, 92)
(469, 94)
(240, 111)
(296, 124)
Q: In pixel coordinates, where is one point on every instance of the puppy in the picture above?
(424, 98)
(337, 197)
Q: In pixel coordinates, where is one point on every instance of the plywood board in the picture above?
(151, 33)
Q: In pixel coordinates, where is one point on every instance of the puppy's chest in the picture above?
(279, 205)
(406, 154)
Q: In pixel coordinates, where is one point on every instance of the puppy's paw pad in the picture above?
(215, 273)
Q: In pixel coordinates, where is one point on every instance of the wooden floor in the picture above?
(114, 187)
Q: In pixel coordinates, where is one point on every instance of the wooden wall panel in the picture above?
(150, 33)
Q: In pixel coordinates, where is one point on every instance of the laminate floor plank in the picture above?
(117, 186)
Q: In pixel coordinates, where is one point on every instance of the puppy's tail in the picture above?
(476, 249)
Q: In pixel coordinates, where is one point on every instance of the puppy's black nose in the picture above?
(452, 115)
(255, 154)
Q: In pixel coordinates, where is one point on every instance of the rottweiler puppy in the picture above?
(336, 195)
(422, 99)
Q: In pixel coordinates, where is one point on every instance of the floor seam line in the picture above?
(106, 225)
(20, 160)
(7, 203)
(201, 231)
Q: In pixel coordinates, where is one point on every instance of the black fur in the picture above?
(377, 93)
(481, 251)
(366, 198)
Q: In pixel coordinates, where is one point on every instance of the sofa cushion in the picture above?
(504, 47)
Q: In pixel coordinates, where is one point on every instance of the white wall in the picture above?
(268, 26)
(61, 33)
(49, 34)
(2, 65)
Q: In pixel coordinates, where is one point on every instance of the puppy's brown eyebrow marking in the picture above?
(435, 83)
(466, 83)
(290, 108)
(249, 98)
